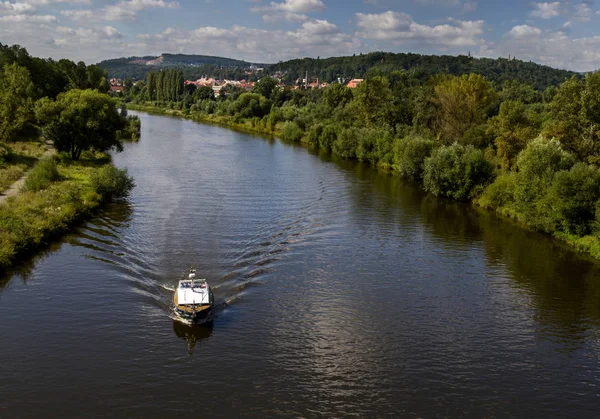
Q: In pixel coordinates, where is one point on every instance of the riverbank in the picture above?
(588, 244)
(48, 209)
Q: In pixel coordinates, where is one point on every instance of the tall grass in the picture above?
(42, 175)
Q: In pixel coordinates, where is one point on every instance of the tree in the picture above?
(337, 95)
(461, 102)
(512, 129)
(575, 112)
(374, 101)
(81, 120)
(265, 86)
(16, 91)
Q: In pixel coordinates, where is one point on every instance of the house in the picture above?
(116, 89)
(353, 84)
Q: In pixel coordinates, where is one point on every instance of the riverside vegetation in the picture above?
(68, 104)
(529, 154)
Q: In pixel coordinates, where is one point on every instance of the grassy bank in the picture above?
(16, 158)
(409, 157)
(59, 193)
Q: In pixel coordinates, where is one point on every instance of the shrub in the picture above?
(292, 132)
(409, 156)
(314, 134)
(456, 171)
(570, 204)
(537, 164)
(112, 182)
(328, 137)
(42, 175)
(499, 193)
(346, 143)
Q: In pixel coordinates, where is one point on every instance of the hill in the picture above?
(422, 66)
(138, 67)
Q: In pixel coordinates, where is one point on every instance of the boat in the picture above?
(193, 301)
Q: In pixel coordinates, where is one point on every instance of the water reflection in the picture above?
(100, 235)
(192, 334)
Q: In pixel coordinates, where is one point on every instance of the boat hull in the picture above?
(198, 316)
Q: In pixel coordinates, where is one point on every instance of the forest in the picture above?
(193, 66)
(421, 67)
(528, 154)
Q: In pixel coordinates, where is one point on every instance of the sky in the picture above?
(563, 34)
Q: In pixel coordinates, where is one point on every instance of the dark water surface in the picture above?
(344, 292)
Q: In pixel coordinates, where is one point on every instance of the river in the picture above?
(342, 291)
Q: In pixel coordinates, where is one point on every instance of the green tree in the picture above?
(265, 87)
(575, 113)
(461, 102)
(16, 91)
(81, 120)
(374, 101)
(456, 171)
(337, 95)
(512, 129)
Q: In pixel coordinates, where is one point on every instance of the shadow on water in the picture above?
(562, 284)
(98, 234)
(192, 334)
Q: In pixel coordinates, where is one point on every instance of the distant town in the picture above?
(117, 86)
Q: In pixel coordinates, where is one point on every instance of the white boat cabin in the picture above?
(193, 291)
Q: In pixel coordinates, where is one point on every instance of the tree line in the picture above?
(530, 154)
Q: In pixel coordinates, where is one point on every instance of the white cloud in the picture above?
(289, 10)
(127, 10)
(28, 18)
(583, 12)
(16, 8)
(299, 6)
(78, 15)
(123, 10)
(555, 49)
(545, 10)
(383, 21)
(524, 32)
(400, 28)
(285, 16)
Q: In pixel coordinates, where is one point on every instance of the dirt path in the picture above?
(15, 188)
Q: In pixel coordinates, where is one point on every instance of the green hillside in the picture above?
(194, 65)
(422, 67)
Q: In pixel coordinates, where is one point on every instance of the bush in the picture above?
(346, 143)
(409, 156)
(499, 193)
(314, 134)
(292, 132)
(570, 205)
(537, 164)
(456, 171)
(328, 137)
(112, 182)
(42, 175)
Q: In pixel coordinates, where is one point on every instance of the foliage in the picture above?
(112, 182)
(575, 112)
(409, 156)
(81, 120)
(16, 104)
(462, 102)
(456, 171)
(537, 165)
(42, 175)
(265, 86)
(292, 132)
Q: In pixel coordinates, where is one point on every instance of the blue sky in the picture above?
(562, 34)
